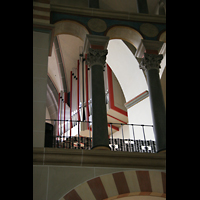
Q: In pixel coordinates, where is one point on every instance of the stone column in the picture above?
(96, 60)
(151, 64)
(42, 48)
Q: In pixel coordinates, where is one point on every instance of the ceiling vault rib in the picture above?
(51, 104)
(52, 87)
(52, 99)
(60, 63)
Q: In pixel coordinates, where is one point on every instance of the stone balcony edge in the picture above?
(98, 158)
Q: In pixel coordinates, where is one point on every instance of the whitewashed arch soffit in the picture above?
(125, 33)
(69, 31)
(72, 28)
(53, 70)
(126, 69)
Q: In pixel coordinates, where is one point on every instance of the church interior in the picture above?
(99, 99)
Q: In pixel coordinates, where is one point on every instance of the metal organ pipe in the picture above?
(83, 118)
(78, 91)
(86, 84)
(58, 113)
(71, 104)
(65, 101)
(61, 109)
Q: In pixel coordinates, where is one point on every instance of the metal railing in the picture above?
(136, 142)
(138, 139)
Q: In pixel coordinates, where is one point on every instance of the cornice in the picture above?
(148, 45)
(95, 40)
(93, 12)
(98, 158)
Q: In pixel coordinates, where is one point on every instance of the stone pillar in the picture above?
(42, 45)
(40, 63)
(151, 64)
(96, 49)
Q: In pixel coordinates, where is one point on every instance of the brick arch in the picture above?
(121, 184)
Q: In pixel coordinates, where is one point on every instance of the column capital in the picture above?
(151, 61)
(148, 46)
(96, 57)
(95, 42)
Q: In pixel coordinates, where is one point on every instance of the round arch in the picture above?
(72, 28)
(131, 79)
(121, 184)
(122, 62)
(125, 33)
(162, 36)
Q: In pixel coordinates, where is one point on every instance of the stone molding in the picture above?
(98, 158)
(112, 14)
(95, 40)
(151, 61)
(148, 45)
(96, 57)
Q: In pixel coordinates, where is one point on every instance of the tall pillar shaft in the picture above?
(96, 56)
(40, 63)
(151, 64)
(99, 115)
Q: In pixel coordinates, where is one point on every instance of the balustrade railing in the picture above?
(127, 137)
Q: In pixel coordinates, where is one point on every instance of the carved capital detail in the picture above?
(96, 57)
(151, 61)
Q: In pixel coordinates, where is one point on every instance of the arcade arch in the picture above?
(72, 28)
(131, 78)
(126, 68)
(125, 33)
(70, 35)
(119, 185)
(121, 60)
